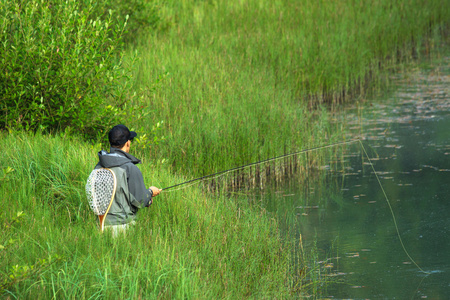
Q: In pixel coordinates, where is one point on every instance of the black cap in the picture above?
(120, 134)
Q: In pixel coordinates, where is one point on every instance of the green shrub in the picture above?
(142, 16)
(60, 66)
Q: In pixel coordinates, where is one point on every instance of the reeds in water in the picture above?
(244, 81)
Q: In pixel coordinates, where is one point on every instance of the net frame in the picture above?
(100, 191)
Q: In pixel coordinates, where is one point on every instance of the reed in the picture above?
(187, 245)
(241, 82)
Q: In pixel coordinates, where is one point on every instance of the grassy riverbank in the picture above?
(187, 245)
(238, 80)
(237, 83)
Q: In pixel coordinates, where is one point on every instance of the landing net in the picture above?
(100, 190)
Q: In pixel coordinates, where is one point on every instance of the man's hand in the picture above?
(155, 190)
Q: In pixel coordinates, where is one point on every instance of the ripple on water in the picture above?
(409, 144)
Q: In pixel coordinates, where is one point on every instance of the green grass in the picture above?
(238, 82)
(187, 245)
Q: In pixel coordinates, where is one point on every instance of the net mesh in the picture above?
(99, 190)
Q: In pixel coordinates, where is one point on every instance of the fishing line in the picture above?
(392, 211)
(222, 173)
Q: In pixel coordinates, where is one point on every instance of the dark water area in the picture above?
(407, 137)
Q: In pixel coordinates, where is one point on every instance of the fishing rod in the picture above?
(313, 149)
(259, 162)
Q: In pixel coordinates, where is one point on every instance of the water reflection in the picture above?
(408, 140)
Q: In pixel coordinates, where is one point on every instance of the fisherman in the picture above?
(131, 193)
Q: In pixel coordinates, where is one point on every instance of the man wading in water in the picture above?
(131, 193)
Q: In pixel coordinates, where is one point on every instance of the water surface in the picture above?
(407, 136)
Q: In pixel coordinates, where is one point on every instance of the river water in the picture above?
(407, 137)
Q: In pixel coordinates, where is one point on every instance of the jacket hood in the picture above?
(115, 158)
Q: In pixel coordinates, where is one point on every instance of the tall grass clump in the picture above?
(242, 81)
(187, 245)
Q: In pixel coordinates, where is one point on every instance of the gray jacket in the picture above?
(131, 193)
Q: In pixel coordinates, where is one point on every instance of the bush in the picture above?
(60, 66)
(142, 16)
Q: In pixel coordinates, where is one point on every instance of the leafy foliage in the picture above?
(5, 172)
(60, 66)
(142, 16)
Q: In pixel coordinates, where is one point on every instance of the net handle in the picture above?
(102, 217)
